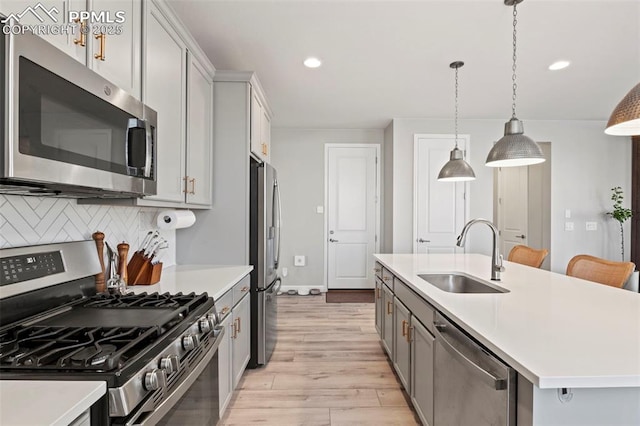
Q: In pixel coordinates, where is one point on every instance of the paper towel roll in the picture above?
(175, 219)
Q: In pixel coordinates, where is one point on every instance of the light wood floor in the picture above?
(328, 368)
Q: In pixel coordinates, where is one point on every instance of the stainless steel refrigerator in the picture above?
(264, 253)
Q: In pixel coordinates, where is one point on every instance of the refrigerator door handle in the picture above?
(277, 219)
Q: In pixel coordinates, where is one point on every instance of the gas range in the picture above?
(54, 326)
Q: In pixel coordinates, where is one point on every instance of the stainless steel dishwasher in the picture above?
(471, 385)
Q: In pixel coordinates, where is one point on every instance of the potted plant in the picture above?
(622, 214)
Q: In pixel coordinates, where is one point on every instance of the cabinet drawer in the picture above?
(224, 304)
(416, 304)
(241, 289)
(378, 270)
(387, 278)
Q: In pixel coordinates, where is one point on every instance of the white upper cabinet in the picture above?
(104, 35)
(114, 51)
(165, 83)
(199, 133)
(260, 127)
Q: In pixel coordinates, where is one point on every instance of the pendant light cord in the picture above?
(456, 114)
(513, 77)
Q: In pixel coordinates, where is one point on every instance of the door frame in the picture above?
(467, 192)
(327, 147)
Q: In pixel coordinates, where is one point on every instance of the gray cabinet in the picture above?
(387, 322)
(379, 306)
(241, 344)
(225, 382)
(421, 381)
(402, 342)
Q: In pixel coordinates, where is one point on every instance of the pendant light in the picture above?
(514, 148)
(625, 119)
(456, 169)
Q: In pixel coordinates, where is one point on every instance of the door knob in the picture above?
(521, 236)
(332, 240)
(421, 240)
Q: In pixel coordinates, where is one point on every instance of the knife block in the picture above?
(142, 272)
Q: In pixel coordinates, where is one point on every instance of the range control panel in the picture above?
(27, 267)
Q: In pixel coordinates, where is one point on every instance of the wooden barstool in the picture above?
(599, 270)
(526, 255)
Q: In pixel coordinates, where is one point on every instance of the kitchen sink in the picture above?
(460, 283)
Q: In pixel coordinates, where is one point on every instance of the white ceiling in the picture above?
(390, 59)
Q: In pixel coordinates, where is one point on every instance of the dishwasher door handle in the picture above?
(488, 378)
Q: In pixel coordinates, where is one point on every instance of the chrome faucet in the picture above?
(496, 259)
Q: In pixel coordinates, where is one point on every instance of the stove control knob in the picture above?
(190, 341)
(204, 325)
(214, 318)
(152, 380)
(170, 364)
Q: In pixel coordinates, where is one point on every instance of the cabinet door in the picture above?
(256, 125)
(164, 90)
(241, 350)
(53, 12)
(119, 53)
(225, 383)
(199, 119)
(387, 331)
(379, 307)
(265, 136)
(402, 358)
(422, 347)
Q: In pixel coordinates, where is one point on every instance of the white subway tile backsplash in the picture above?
(39, 220)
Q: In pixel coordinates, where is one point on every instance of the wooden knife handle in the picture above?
(123, 251)
(98, 237)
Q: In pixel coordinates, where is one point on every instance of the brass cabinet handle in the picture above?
(389, 310)
(409, 330)
(239, 325)
(377, 269)
(264, 148)
(386, 278)
(379, 293)
(244, 289)
(186, 184)
(224, 310)
(101, 55)
(404, 324)
(234, 332)
(82, 41)
(193, 186)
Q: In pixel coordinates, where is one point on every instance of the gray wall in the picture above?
(586, 164)
(298, 156)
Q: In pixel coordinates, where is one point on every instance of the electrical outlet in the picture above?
(567, 214)
(591, 226)
(320, 209)
(568, 226)
(299, 260)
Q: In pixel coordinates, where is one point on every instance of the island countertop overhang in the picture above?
(556, 331)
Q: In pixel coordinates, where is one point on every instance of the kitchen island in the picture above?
(567, 338)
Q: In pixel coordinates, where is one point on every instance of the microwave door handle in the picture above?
(135, 123)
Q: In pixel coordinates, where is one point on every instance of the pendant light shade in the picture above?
(456, 169)
(514, 148)
(625, 119)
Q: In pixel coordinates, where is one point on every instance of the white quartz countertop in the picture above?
(38, 403)
(213, 279)
(555, 330)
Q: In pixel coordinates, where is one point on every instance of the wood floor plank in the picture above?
(344, 381)
(392, 398)
(379, 416)
(278, 416)
(340, 356)
(299, 398)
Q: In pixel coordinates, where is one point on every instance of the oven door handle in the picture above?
(168, 403)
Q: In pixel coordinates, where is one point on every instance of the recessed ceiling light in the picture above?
(312, 62)
(559, 65)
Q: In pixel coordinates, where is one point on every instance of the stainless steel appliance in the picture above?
(264, 231)
(158, 353)
(471, 385)
(68, 131)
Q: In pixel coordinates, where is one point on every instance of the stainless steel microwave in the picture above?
(68, 131)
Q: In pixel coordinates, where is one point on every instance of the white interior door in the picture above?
(439, 207)
(352, 220)
(513, 204)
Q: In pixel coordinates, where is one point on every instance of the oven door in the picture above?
(68, 126)
(195, 401)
